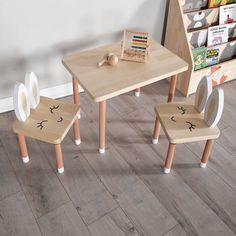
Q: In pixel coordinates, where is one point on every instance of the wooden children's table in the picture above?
(110, 81)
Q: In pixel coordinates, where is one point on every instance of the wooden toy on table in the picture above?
(48, 120)
(186, 122)
(135, 46)
(110, 59)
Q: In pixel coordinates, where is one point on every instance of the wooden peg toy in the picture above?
(109, 59)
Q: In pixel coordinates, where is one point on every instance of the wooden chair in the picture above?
(49, 120)
(186, 122)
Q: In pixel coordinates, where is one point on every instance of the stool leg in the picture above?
(77, 132)
(102, 127)
(59, 160)
(137, 92)
(169, 158)
(76, 94)
(23, 148)
(206, 153)
(156, 132)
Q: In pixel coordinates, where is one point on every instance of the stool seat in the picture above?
(182, 123)
(49, 122)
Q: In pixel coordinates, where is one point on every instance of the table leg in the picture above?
(137, 92)
(76, 93)
(173, 81)
(102, 125)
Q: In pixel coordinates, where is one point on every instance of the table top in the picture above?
(110, 81)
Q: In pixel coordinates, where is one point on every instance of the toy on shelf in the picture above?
(109, 59)
(49, 120)
(186, 122)
(135, 46)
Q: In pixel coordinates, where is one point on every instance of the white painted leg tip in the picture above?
(79, 116)
(155, 141)
(101, 150)
(77, 142)
(166, 171)
(25, 159)
(60, 170)
(137, 94)
(203, 165)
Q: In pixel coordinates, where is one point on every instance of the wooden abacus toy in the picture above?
(48, 120)
(187, 122)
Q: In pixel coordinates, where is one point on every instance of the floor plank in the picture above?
(16, 217)
(114, 223)
(84, 188)
(63, 221)
(8, 182)
(40, 184)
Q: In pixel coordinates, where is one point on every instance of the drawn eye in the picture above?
(40, 124)
(182, 110)
(53, 108)
(61, 119)
(173, 119)
(191, 126)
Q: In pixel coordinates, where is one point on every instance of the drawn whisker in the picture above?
(191, 127)
(61, 119)
(53, 108)
(173, 119)
(182, 109)
(40, 124)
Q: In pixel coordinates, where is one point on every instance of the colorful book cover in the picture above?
(199, 58)
(217, 35)
(214, 3)
(224, 2)
(212, 57)
(227, 14)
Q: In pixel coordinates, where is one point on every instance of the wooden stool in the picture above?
(186, 122)
(49, 120)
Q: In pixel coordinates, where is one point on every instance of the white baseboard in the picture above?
(6, 104)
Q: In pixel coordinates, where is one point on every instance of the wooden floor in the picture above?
(124, 191)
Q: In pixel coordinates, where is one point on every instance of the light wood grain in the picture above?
(110, 81)
(56, 122)
(178, 130)
(16, 217)
(63, 221)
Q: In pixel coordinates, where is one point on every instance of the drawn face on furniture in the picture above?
(28, 96)
(186, 113)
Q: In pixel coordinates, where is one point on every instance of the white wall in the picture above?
(35, 34)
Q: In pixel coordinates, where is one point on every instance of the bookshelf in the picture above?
(181, 38)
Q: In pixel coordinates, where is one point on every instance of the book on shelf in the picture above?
(199, 58)
(217, 3)
(217, 35)
(227, 14)
(189, 5)
(212, 56)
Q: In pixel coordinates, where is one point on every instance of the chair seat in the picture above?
(182, 123)
(49, 122)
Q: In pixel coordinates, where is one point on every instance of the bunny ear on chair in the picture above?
(214, 107)
(21, 102)
(31, 83)
(203, 92)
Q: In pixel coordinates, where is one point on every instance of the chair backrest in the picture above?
(204, 90)
(31, 83)
(21, 102)
(214, 107)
